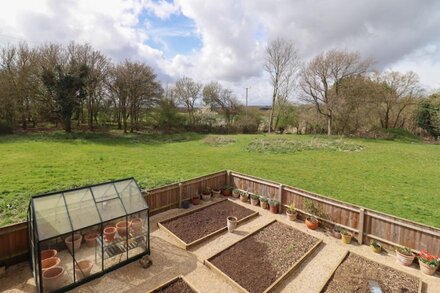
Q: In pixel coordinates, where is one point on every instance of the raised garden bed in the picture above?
(358, 274)
(176, 285)
(261, 260)
(198, 225)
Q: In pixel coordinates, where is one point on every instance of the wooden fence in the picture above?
(366, 224)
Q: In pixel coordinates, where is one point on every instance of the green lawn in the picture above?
(397, 177)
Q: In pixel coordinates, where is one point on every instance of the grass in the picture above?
(397, 177)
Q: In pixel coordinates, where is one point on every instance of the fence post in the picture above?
(361, 226)
(280, 195)
(180, 195)
(228, 177)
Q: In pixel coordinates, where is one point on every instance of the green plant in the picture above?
(337, 228)
(273, 202)
(405, 251)
(311, 208)
(228, 187)
(244, 193)
(263, 199)
(345, 232)
(291, 208)
(254, 196)
(374, 243)
(429, 259)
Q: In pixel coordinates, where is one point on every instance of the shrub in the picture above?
(5, 128)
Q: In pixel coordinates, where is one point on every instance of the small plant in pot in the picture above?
(376, 247)
(236, 193)
(195, 200)
(216, 192)
(206, 194)
(291, 212)
(255, 199)
(346, 236)
(264, 202)
(244, 196)
(274, 206)
(227, 190)
(312, 223)
(336, 232)
(428, 263)
(404, 256)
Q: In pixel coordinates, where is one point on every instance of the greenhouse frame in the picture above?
(79, 234)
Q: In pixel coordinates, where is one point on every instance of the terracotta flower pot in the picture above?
(53, 278)
(74, 242)
(109, 234)
(226, 192)
(206, 196)
(254, 202)
(232, 223)
(291, 216)
(427, 269)
(244, 198)
(312, 224)
(83, 268)
(216, 193)
(403, 259)
(346, 238)
(49, 263)
(48, 253)
(236, 193)
(264, 205)
(122, 227)
(273, 209)
(90, 239)
(136, 225)
(195, 200)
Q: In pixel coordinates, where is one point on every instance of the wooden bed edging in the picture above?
(160, 287)
(350, 252)
(278, 281)
(187, 246)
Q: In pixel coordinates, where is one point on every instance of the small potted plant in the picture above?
(273, 206)
(206, 194)
(227, 190)
(336, 232)
(244, 196)
(195, 200)
(255, 199)
(216, 192)
(312, 223)
(236, 193)
(264, 202)
(376, 247)
(346, 236)
(291, 212)
(405, 256)
(428, 263)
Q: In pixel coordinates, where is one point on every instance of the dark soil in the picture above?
(258, 261)
(356, 274)
(178, 286)
(205, 221)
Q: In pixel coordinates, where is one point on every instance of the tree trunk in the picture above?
(68, 125)
(329, 125)
(272, 110)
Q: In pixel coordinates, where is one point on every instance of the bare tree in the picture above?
(221, 100)
(282, 63)
(187, 92)
(326, 71)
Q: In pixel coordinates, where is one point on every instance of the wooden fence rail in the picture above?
(365, 223)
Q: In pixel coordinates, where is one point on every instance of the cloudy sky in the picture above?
(224, 40)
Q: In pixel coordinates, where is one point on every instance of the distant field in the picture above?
(397, 177)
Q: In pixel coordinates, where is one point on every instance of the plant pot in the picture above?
(273, 209)
(346, 238)
(122, 227)
(403, 259)
(427, 269)
(216, 193)
(264, 205)
(226, 192)
(109, 234)
(83, 268)
(185, 204)
(376, 249)
(90, 239)
(206, 196)
(311, 224)
(232, 223)
(48, 253)
(336, 234)
(49, 263)
(254, 202)
(291, 216)
(244, 198)
(195, 200)
(74, 242)
(136, 226)
(53, 278)
(236, 193)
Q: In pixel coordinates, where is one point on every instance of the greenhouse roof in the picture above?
(61, 212)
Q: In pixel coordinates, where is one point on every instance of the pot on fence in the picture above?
(53, 278)
(274, 206)
(216, 193)
(346, 237)
(206, 195)
(48, 253)
(264, 203)
(227, 191)
(427, 269)
(136, 226)
(83, 268)
(236, 193)
(185, 204)
(255, 199)
(232, 223)
(336, 232)
(312, 223)
(122, 227)
(195, 200)
(244, 197)
(404, 256)
(292, 215)
(376, 247)
(49, 263)
(73, 242)
(90, 239)
(109, 233)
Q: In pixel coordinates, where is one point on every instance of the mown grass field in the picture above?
(397, 177)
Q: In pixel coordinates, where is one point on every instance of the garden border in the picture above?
(186, 246)
(181, 277)
(278, 281)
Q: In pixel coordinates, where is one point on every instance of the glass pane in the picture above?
(131, 196)
(82, 208)
(51, 216)
(104, 192)
(110, 209)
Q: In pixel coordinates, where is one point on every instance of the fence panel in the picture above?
(13, 243)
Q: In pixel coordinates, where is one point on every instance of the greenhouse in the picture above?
(79, 234)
